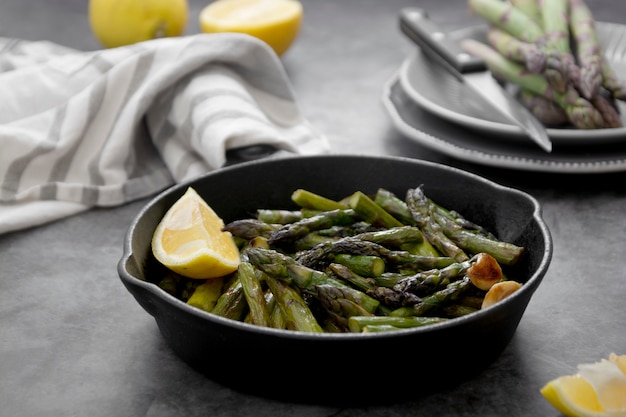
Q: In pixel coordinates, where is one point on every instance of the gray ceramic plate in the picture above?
(443, 95)
(475, 146)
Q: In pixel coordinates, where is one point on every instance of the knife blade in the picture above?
(470, 70)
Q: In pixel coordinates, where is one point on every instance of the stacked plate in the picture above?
(426, 105)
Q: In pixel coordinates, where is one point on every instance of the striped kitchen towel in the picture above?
(102, 128)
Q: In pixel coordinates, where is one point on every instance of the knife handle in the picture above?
(414, 22)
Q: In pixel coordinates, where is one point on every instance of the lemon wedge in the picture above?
(276, 22)
(597, 390)
(123, 22)
(189, 240)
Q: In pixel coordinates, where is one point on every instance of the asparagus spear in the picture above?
(392, 298)
(588, 49)
(250, 228)
(295, 311)
(504, 252)
(438, 299)
(205, 295)
(278, 216)
(555, 19)
(340, 302)
(293, 231)
(418, 205)
(322, 254)
(254, 294)
(396, 236)
(545, 110)
(365, 265)
(310, 200)
(393, 205)
(358, 323)
(232, 303)
(608, 110)
(505, 16)
(371, 212)
(611, 82)
(428, 281)
(581, 113)
(529, 54)
(530, 8)
(289, 270)
(346, 274)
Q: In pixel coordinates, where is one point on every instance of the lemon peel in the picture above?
(276, 22)
(189, 240)
(597, 390)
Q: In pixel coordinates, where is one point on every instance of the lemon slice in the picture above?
(123, 22)
(276, 22)
(189, 240)
(597, 390)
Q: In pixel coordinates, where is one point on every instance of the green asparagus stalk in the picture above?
(396, 236)
(505, 16)
(278, 216)
(371, 212)
(389, 279)
(530, 8)
(357, 323)
(340, 301)
(232, 303)
(410, 262)
(290, 271)
(438, 299)
(393, 205)
(608, 110)
(295, 311)
(293, 231)
(205, 295)
(250, 228)
(346, 274)
(555, 23)
(310, 200)
(588, 49)
(378, 328)
(611, 82)
(254, 294)
(418, 205)
(581, 113)
(504, 252)
(277, 320)
(311, 240)
(365, 265)
(457, 310)
(392, 298)
(529, 54)
(428, 281)
(545, 110)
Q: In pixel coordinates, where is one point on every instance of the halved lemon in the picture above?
(597, 390)
(123, 22)
(189, 240)
(276, 22)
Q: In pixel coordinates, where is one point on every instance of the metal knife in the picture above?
(470, 70)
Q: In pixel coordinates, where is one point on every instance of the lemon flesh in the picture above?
(189, 240)
(123, 22)
(597, 390)
(276, 22)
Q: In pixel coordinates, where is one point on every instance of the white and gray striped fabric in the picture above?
(101, 128)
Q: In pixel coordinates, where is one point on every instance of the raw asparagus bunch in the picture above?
(551, 50)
